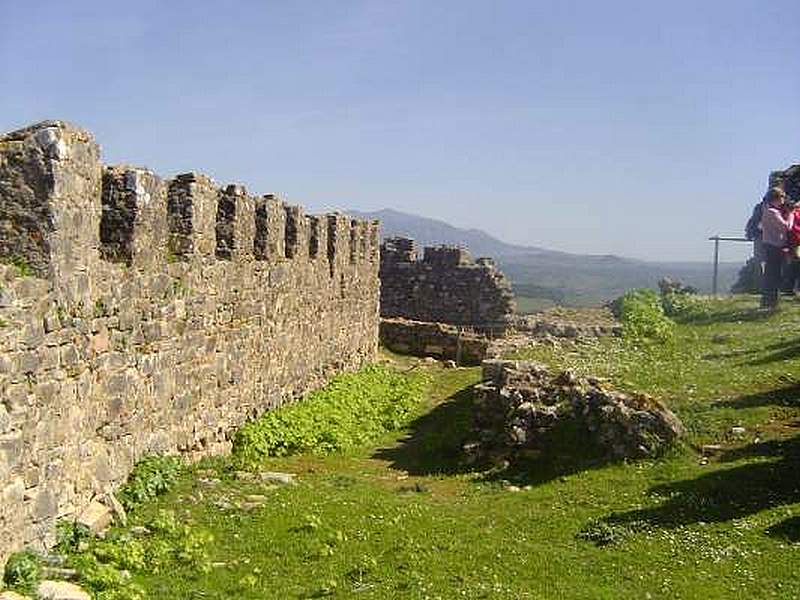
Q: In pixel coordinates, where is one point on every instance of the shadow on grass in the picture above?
(722, 495)
(435, 446)
(738, 315)
(788, 530)
(435, 443)
(566, 451)
(785, 396)
(783, 350)
(786, 350)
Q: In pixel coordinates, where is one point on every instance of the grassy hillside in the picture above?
(589, 281)
(403, 516)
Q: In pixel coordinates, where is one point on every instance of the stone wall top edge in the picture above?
(232, 188)
(31, 130)
(79, 217)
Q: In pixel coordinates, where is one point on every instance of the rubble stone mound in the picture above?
(560, 322)
(520, 403)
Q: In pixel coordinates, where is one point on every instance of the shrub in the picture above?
(71, 536)
(687, 307)
(352, 410)
(24, 269)
(164, 545)
(151, 476)
(642, 316)
(23, 571)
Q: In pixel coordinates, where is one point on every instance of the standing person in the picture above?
(791, 269)
(775, 227)
(752, 232)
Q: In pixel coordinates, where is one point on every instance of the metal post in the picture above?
(716, 266)
(717, 239)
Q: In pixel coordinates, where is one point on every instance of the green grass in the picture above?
(350, 411)
(530, 305)
(730, 365)
(403, 516)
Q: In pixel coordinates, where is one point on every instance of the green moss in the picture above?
(352, 410)
(24, 268)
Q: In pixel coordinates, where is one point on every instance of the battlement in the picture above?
(61, 211)
(446, 286)
(398, 249)
(162, 315)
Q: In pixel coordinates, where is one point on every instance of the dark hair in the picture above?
(774, 193)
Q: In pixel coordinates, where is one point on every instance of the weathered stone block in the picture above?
(61, 590)
(96, 517)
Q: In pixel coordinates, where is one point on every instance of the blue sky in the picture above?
(630, 127)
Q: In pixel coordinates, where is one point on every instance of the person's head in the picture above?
(775, 196)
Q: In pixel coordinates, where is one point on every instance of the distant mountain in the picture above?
(542, 277)
(428, 232)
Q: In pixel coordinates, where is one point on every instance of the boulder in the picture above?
(9, 595)
(61, 590)
(279, 478)
(96, 517)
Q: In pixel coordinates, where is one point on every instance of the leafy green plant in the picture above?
(687, 307)
(151, 476)
(604, 533)
(351, 410)
(164, 544)
(23, 571)
(24, 268)
(71, 536)
(100, 309)
(643, 318)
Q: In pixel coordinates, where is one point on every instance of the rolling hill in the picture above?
(543, 277)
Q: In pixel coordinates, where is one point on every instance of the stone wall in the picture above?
(441, 341)
(159, 317)
(446, 286)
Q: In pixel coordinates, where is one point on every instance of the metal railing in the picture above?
(717, 239)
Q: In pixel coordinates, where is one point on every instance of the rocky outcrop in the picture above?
(519, 404)
(61, 590)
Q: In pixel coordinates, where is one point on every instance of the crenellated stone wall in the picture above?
(139, 315)
(446, 286)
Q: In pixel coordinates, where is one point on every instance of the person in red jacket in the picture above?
(791, 268)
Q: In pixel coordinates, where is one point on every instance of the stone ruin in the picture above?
(519, 404)
(446, 305)
(161, 314)
(449, 306)
(446, 286)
